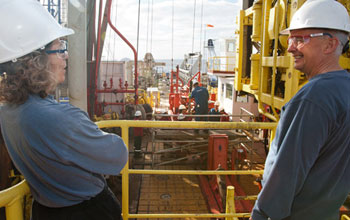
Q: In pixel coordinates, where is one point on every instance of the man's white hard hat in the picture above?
(26, 26)
(323, 14)
(138, 113)
(182, 107)
(217, 103)
(194, 82)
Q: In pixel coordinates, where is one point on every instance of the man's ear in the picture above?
(331, 45)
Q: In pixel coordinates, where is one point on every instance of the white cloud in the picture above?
(220, 13)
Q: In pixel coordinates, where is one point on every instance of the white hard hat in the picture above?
(138, 113)
(217, 103)
(194, 82)
(182, 107)
(328, 14)
(26, 26)
(181, 116)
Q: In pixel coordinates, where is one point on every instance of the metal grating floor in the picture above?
(171, 194)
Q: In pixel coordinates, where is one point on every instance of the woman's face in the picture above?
(58, 56)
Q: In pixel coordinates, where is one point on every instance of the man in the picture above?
(307, 171)
(215, 111)
(200, 96)
(182, 113)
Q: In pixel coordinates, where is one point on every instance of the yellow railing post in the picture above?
(12, 200)
(230, 202)
(14, 210)
(345, 217)
(125, 176)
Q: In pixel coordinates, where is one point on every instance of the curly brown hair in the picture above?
(29, 74)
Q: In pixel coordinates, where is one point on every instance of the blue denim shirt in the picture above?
(307, 171)
(59, 150)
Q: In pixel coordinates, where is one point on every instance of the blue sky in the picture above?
(220, 13)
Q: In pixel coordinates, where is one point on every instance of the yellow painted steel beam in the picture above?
(240, 49)
(186, 124)
(197, 172)
(12, 200)
(281, 61)
(278, 102)
(257, 11)
(145, 216)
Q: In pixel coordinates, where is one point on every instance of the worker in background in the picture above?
(224, 115)
(138, 133)
(215, 111)
(182, 114)
(201, 97)
(61, 153)
(307, 171)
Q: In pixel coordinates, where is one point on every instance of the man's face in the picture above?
(307, 51)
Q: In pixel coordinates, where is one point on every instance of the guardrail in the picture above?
(222, 63)
(12, 198)
(345, 217)
(124, 125)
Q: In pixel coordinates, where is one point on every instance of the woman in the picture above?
(61, 153)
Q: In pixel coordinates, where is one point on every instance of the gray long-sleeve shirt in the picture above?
(59, 150)
(307, 171)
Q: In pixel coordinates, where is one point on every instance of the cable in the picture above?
(201, 31)
(172, 37)
(194, 23)
(147, 27)
(151, 27)
(138, 31)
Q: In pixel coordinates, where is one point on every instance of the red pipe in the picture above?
(129, 44)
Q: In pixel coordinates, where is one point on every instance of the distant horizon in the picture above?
(171, 30)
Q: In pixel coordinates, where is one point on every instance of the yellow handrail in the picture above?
(124, 124)
(12, 198)
(222, 63)
(345, 217)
